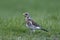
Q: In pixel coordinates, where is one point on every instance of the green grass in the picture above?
(45, 12)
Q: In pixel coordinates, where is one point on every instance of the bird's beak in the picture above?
(23, 13)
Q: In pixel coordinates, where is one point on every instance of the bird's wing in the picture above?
(34, 23)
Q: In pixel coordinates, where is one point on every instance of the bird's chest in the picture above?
(29, 23)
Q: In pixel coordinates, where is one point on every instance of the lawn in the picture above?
(45, 12)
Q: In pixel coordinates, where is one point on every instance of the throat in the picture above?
(27, 18)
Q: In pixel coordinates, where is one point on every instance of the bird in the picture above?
(31, 24)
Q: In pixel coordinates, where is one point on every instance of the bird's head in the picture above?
(26, 14)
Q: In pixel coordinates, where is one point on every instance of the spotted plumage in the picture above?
(31, 23)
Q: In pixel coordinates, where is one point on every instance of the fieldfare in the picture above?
(31, 24)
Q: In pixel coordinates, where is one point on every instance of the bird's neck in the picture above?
(28, 18)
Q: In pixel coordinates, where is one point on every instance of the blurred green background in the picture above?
(12, 7)
(44, 12)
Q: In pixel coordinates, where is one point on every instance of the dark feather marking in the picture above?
(34, 23)
(44, 30)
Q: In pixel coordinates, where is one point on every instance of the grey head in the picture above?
(26, 14)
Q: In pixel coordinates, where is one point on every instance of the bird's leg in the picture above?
(33, 30)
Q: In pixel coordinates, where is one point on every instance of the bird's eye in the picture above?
(26, 14)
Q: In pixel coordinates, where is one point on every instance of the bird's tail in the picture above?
(44, 30)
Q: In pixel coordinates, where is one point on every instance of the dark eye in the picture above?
(26, 14)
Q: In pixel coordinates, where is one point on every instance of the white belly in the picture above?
(32, 27)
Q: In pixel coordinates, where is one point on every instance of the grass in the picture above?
(45, 12)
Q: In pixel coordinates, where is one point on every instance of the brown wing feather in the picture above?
(34, 23)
